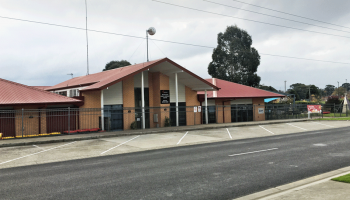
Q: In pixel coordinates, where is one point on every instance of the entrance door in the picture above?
(241, 113)
(114, 114)
(182, 114)
(211, 114)
(138, 105)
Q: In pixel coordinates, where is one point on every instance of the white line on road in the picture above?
(182, 137)
(38, 147)
(229, 133)
(298, 127)
(267, 130)
(36, 153)
(253, 152)
(120, 144)
(323, 124)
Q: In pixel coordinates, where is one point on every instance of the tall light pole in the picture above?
(285, 83)
(338, 89)
(150, 31)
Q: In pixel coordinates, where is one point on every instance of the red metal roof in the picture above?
(41, 87)
(12, 93)
(105, 79)
(235, 90)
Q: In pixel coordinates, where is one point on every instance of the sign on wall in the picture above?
(164, 97)
(195, 109)
(314, 108)
(261, 110)
(199, 109)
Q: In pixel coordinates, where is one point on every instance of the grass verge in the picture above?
(345, 178)
(334, 119)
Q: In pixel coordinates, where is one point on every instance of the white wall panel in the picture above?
(181, 89)
(113, 95)
(137, 80)
(242, 101)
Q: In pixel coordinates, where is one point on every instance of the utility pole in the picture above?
(338, 89)
(285, 83)
(309, 93)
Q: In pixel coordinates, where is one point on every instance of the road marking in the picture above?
(36, 153)
(229, 133)
(297, 127)
(182, 137)
(38, 147)
(253, 152)
(120, 144)
(266, 130)
(320, 145)
(323, 124)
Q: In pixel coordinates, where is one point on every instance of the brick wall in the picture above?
(92, 100)
(159, 82)
(258, 103)
(128, 102)
(191, 100)
(223, 111)
(34, 122)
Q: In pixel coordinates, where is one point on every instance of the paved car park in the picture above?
(47, 153)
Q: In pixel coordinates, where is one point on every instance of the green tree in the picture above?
(314, 90)
(269, 88)
(291, 91)
(234, 59)
(329, 89)
(116, 64)
(346, 86)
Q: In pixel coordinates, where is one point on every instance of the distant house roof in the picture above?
(238, 91)
(102, 80)
(12, 93)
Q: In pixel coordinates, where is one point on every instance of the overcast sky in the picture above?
(36, 54)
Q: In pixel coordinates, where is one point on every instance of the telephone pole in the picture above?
(285, 83)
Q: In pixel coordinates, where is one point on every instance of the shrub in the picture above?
(167, 122)
(133, 125)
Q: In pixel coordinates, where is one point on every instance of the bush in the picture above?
(167, 122)
(133, 125)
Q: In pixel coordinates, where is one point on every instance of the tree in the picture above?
(340, 91)
(314, 90)
(116, 64)
(291, 91)
(300, 89)
(269, 88)
(346, 86)
(234, 59)
(329, 89)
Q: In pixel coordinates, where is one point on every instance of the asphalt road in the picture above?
(205, 171)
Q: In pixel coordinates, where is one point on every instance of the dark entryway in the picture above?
(138, 106)
(241, 113)
(211, 114)
(114, 115)
(7, 124)
(182, 114)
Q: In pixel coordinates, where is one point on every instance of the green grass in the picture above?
(345, 179)
(334, 119)
(336, 114)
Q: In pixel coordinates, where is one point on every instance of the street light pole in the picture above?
(150, 31)
(338, 89)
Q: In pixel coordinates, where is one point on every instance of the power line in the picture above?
(167, 41)
(275, 16)
(291, 14)
(255, 21)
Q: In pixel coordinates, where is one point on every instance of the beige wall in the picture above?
(128, 102)
(258, 103)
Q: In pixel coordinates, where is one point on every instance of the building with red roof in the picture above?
(235, 102)
(14, 97)
(164, 83)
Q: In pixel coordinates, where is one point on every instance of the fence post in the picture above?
(68, 120)
(334, 110)
(22, 121)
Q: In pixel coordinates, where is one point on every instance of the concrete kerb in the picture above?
(298, 185)
(80, 137)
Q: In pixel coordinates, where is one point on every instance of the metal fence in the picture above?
(42, 122)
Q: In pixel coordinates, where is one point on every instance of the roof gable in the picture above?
(102, 80)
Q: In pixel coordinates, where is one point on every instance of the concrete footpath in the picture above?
(91, 136)
(319, 187)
